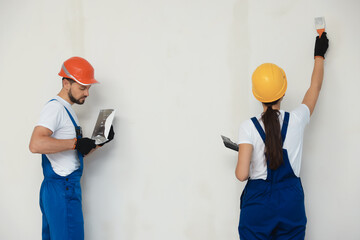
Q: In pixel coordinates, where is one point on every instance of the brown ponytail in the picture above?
(273, 142)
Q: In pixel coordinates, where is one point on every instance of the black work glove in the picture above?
(321, 45)
(110, 137)
(85, 145)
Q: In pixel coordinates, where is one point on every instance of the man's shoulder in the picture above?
(53, 103)
(53, 107)
(52, 115)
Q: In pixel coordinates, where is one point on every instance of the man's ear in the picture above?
(66, 83)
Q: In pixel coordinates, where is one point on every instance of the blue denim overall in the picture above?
(273, 208)
(60, 200)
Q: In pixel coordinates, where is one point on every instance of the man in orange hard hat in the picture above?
(58, 137)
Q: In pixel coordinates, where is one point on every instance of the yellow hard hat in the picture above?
(268, 83)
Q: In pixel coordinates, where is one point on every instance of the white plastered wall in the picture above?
(178, 74)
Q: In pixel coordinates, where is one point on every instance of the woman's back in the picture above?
(299, 118)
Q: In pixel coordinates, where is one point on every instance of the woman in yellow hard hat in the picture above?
(270, 149)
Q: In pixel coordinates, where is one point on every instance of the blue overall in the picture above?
(273, 208)
(60, 200)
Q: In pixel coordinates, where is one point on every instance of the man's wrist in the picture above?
(74, 144)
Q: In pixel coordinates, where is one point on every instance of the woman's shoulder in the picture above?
(300, 114)
(246, 132)
(248, 123)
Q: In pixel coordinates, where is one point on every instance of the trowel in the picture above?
(103, 125)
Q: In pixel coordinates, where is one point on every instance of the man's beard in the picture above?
(74, 100)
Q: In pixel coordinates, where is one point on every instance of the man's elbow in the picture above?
(33, 148)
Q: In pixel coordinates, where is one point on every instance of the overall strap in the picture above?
(283, 130)
(71, 117)
(259, 128)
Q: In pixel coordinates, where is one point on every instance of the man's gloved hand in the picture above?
(321, 45)
(85, 145)
(110, 137)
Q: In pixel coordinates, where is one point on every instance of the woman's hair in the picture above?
(273, 141)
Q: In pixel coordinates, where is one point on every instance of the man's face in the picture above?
(77, 93)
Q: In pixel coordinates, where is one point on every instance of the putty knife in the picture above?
(320, 25)
(230, 144)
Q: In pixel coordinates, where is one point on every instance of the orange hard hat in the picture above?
(79, 70)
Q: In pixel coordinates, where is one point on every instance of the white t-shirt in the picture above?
(248, 133)
(54, 117)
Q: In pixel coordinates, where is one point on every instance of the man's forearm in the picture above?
(48, 145)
